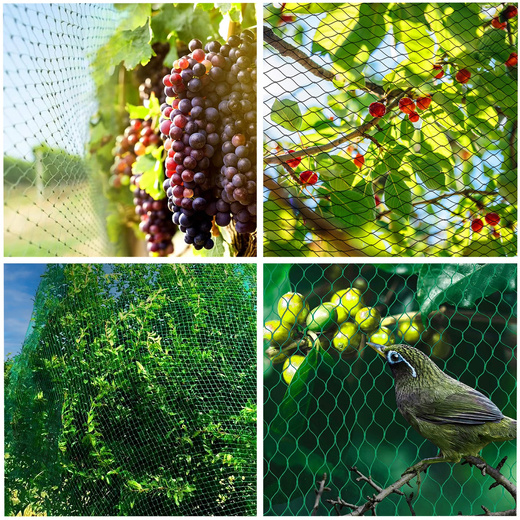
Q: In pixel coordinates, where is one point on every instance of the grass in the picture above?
(58, 221)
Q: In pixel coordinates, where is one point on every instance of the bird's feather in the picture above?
(465, 406)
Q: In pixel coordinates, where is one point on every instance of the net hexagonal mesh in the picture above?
(134, 393)
(390, 129)
(339, 409)
(53, 203)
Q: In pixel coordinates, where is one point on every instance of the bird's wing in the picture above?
(468, 406)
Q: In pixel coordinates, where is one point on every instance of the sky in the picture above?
(20, 284)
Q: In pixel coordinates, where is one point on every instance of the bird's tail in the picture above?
(508, 428)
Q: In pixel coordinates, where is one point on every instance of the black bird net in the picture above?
(390, 129)
(329, 400)
(135, 393)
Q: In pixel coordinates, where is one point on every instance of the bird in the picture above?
(458, 419)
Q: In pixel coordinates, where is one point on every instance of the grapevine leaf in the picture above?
(287, 114)
(137, 112)
(152, 176)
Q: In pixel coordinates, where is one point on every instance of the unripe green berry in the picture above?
(349, 302)
(292, 309)
(322, 318)
(382, 336)
(410, 330)
(368, 319)
(277, 332)
(290, 366)
(348, 337)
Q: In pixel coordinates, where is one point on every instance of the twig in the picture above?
(368, 480)
(409, 499)
(494, 473)
(393, 488)
(288, 50)
(314, 150)
(319, 494)
(463, 193)
(325, 228)
(339, 504)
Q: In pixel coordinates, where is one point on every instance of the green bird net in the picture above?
(390, 129)
(135, 393)
(329, 400)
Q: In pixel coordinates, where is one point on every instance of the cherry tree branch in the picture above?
(464, 193)
(314, 150)
(288, 50)
(325, 228)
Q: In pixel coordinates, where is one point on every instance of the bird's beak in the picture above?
(377, 348)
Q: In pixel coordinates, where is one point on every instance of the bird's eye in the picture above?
(394, 357)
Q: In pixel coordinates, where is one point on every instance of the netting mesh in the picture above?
(339, 410)
(135, 392)
(390, 129)
(53, 203)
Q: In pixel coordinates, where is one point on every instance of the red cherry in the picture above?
(441, 73)
(359, 160)
(463, 76)
(512, 61)
(477, 225)
(293, 163)
(377, 109)
(406, 105)
(423, 102)
(492, 219)
(377, 199)
(497, 24)
(414, 117)
(495, 234)
(510, 12)
(308, 177)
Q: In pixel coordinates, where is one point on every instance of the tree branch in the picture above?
(465, 193)
(370, 504)
(325, 228)
(314, 150)
(288, 50)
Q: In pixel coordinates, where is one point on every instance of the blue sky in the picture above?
(20, 284)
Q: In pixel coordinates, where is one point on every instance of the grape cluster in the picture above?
(156, 220)
(208, 125)
(155, 217)
(129, 146)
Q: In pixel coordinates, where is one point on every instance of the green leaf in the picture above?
(134, 485)
(276, 284)
(152, 175)
(312, 8)
(130, 43)
(407, 131)
(292, 412)
(331, 167)
(460, 284)
(137, 111)
(353, 208)
(287, 114)
(398, 196)
(360, 41)
(332, 29)
(400, 269)
(409, 27)
(428, 169)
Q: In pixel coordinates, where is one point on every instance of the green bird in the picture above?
(458, 419)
